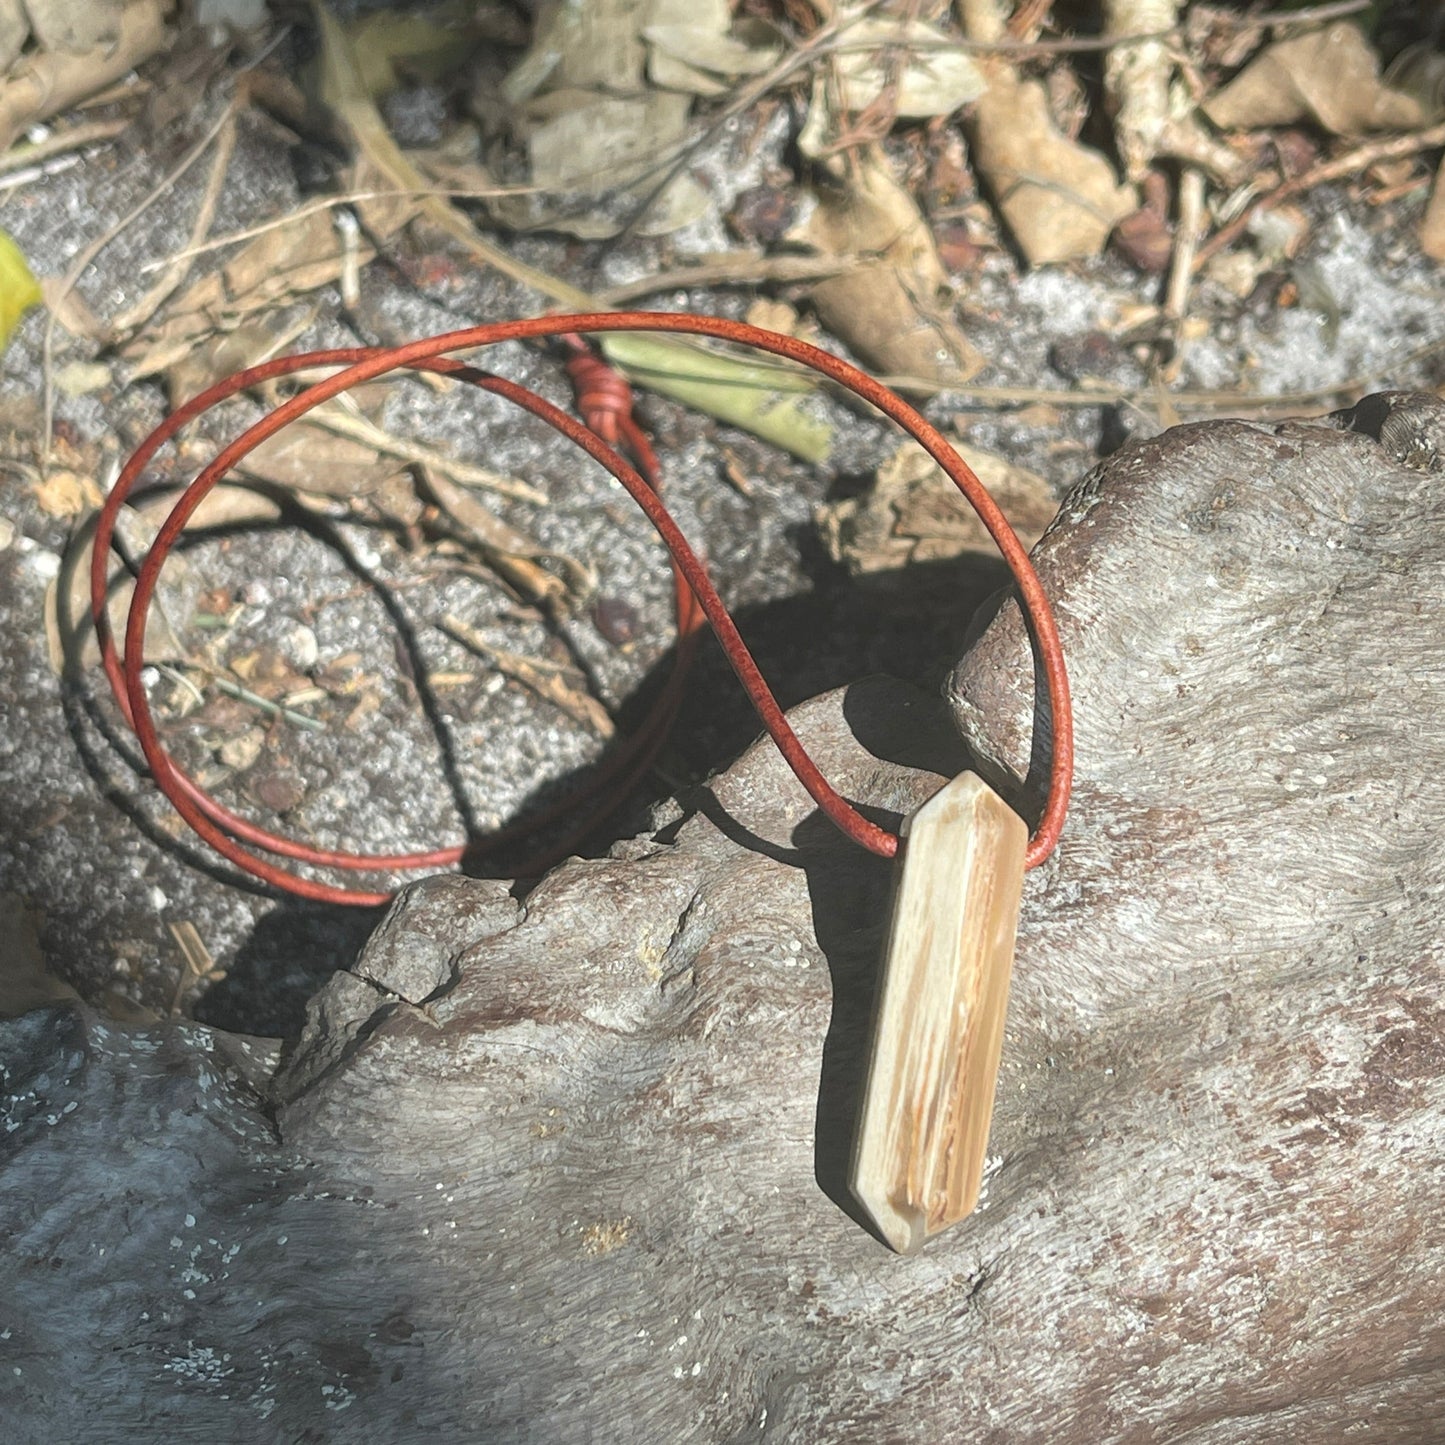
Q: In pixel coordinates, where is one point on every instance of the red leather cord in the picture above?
(621, 768)
(605, 401)
(604, 398)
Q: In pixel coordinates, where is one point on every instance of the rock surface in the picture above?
(570, 1168)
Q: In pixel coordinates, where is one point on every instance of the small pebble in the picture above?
(44, 563)
(616, 620)
(240, 752)
(279, 791)
(762, 213)
(302, 649)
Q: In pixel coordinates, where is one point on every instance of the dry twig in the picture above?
(82, 262)
(199, 965)
(512, 556)
(1238, 402)
(137, 315)
(1186, 242)
(61, 143)
(359, 429)
(540, 677)
(326, 203)
(1351, 163)
(739, 270)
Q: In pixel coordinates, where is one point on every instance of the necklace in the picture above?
(923, 1131)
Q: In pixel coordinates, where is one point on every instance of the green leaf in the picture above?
(765, 399)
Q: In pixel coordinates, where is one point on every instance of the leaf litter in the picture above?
(882, 115)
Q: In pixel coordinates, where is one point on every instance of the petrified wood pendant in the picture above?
(938, 1028)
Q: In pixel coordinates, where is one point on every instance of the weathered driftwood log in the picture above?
(571, 1169)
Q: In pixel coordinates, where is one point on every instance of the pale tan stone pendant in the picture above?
(938, 1027)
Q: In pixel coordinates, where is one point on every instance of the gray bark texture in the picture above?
(571, 1169)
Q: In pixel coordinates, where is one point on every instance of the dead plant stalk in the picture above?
(1351, 163)
(82, 263)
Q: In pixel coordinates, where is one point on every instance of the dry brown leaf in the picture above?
(1419, 70)
(306, 457)
(933, 76)
(589, 47)
(1059, 198)
(396, 503)
(227, 505)
(289, 260)
(594, 125)
(914, 513)
(75, 26)
(513, 556)
(392, 43)
(66, 306)
(1331, 76)
(277, 266)
(69, 633)
(14, 31)
(599, 145)
(703, 56)
(228, 352)
(72, 63)
(1432, 224)
(1154, 114)
(892, 308)
(218, 356)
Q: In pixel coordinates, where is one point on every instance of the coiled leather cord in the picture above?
(605, 402)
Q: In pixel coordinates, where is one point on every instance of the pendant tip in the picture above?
(902, 1229)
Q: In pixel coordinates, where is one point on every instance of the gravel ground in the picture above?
(94, 862)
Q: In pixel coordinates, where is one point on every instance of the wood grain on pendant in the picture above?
(938, 1031)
